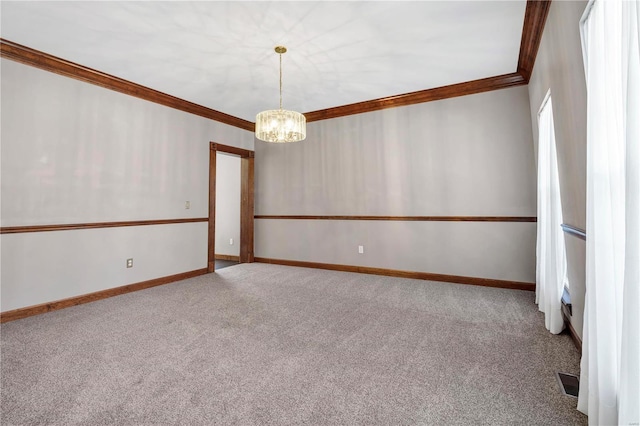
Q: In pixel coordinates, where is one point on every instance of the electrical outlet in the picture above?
(187, 204)
(230, 241)
(361, 249)
(130, 263)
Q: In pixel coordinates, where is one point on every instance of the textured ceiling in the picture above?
(220, 54)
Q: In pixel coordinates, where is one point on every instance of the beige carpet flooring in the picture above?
(269, 344)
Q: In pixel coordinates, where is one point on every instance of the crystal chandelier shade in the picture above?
(280, 125)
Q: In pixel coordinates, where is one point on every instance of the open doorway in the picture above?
(227, 235)
(244, 246)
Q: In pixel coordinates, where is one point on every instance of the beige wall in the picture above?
(73, 152)
(466, 156)
(559, 67)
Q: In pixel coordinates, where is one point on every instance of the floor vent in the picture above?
(569, 384)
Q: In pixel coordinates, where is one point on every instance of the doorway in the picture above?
(246, 202)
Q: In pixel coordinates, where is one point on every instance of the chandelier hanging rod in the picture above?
(280, 50)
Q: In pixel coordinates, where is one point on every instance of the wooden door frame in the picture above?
(246, 202)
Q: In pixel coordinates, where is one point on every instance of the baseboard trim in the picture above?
(572, 332)
(456, 279)
(227, 257)
(92, 297)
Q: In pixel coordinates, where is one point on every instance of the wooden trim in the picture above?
(535, 17)
(211, 245)
(565, 301)
(576, 232)
(92, 297)
(247, 209)
(227, 257)
(95, 225)
(246, 203)
(408, 218)
(244, 153)
(44, 61)
(438, 93)
(487, 282)
(572, 332)
(536, 13)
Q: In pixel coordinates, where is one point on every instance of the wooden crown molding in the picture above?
(421, 96)
(535, 17)
(534, 20)
(44, 61)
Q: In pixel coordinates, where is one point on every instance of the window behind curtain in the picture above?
(610, 366)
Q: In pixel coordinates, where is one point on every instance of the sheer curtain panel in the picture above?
(550, 251)
(610, 375)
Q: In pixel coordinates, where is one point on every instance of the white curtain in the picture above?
(550, 251)
(610, 367)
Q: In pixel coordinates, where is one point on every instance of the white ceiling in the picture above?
(220, 54)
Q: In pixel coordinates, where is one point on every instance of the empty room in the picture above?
(320, 212)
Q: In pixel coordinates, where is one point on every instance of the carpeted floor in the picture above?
(269, 344)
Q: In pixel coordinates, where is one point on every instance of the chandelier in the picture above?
(281, 125)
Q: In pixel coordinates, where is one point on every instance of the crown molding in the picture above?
(536, 13)
(535, 17)
(44, 61)
(421, 96)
